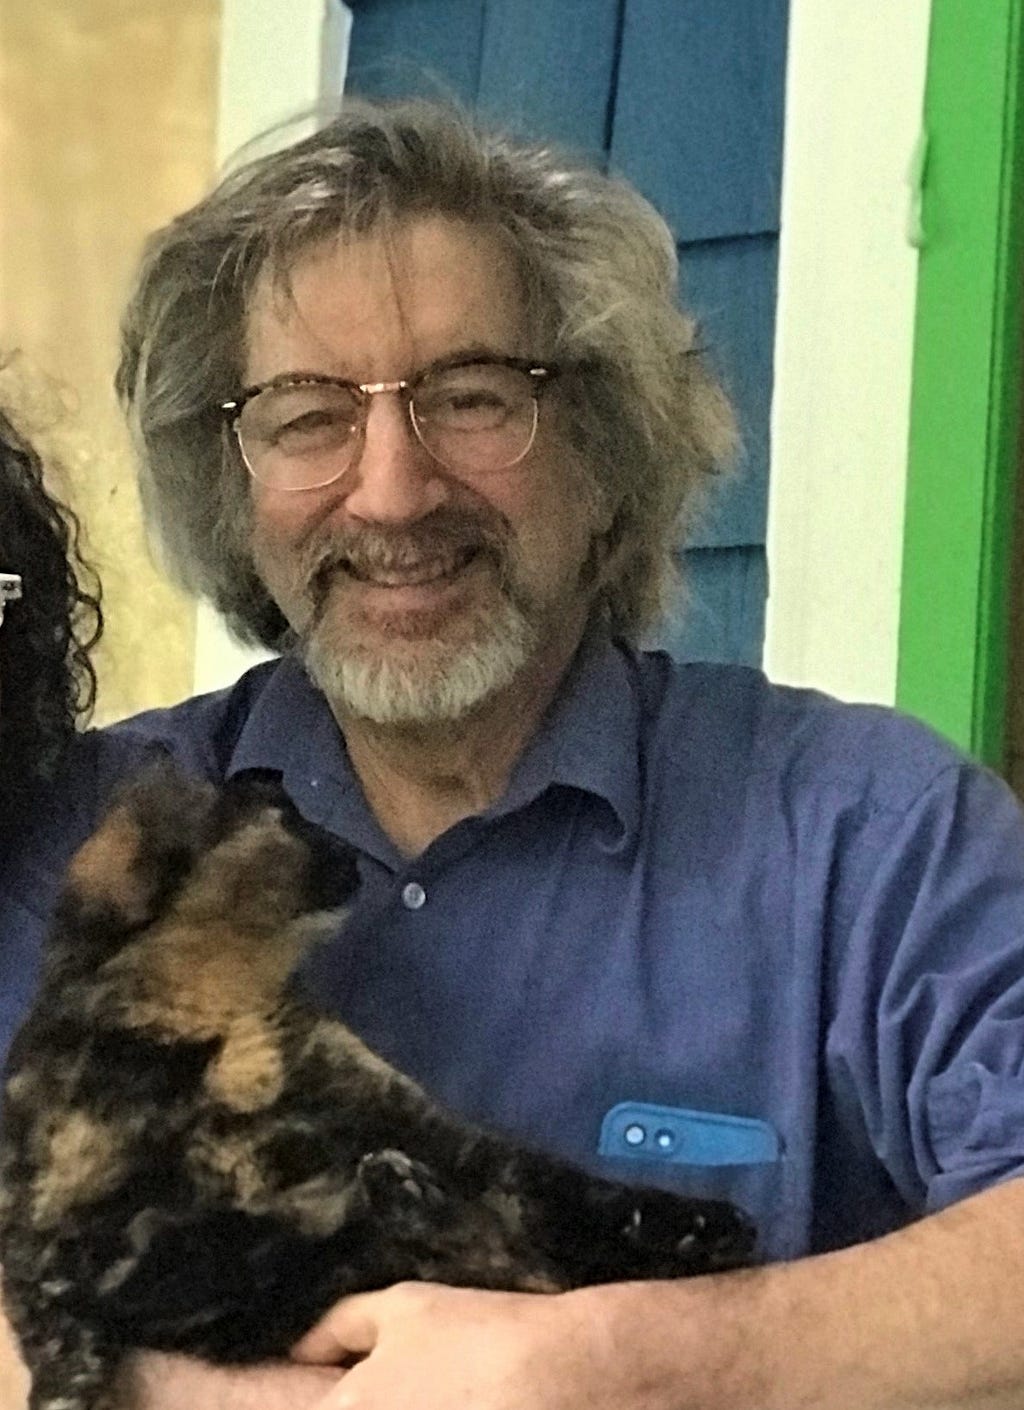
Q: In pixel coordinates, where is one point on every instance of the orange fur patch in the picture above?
(101, 870)
(83, 1160)
(248, 1072)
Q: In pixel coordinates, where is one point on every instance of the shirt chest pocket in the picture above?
(703, 1155)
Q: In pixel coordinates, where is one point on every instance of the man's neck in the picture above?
(421, 780)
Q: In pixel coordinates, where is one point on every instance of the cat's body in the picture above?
(195, 1159)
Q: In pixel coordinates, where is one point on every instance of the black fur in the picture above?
(194, 1159)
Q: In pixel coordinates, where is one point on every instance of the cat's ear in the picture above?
(146, 844)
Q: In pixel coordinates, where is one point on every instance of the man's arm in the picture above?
(928, 1318)
(13, 1376)
(155, 1382)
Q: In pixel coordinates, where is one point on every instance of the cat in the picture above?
(193, 1158)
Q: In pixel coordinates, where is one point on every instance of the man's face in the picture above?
(417, 591)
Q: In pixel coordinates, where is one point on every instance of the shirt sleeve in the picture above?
(927, 1033)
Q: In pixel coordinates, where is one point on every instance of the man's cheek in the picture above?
(280, 573)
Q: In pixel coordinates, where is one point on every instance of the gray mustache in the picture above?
(375, 550)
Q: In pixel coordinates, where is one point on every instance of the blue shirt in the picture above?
(718, 935)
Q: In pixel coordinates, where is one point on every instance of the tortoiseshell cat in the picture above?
(194, 1159)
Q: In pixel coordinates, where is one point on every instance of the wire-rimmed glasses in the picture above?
(474, 417)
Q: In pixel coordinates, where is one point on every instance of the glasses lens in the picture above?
(478, 417)
(299, 435)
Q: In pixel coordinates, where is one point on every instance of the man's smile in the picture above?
(407, 593)
(410, 573)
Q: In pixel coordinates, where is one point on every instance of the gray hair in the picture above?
(599, 272)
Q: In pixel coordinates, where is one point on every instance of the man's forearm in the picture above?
(928, 1317)
(13, 1376)
(155, 1382)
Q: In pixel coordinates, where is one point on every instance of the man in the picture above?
(415, 406)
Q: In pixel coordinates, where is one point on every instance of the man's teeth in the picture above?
(413, 575)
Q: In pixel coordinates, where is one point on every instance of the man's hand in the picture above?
(443, 1348)
(927, 1317)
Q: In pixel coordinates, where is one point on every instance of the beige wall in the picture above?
(107, 112)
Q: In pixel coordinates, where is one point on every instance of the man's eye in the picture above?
(312, 427)
(468, 398)
(468, 407)
(310, 421)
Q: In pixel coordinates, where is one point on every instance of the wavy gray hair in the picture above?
(599, 273)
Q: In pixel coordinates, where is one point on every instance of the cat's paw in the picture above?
(393, 1182)
(669, 1235)
(651, 1233)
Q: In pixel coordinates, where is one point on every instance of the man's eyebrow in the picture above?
(475, 352)
(297, 374)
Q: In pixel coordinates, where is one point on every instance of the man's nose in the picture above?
(393, 479)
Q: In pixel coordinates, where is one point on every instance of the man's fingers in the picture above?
(348, 1329)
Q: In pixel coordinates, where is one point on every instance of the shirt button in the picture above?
(413, 896)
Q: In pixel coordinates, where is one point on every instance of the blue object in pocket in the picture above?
(684, 1137)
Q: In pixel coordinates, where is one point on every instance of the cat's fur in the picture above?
(195, 1159)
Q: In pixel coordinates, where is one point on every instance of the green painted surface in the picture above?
(965, 407)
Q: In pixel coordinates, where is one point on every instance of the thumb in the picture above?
(349, 1328)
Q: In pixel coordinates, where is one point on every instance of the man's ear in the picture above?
(607, 549)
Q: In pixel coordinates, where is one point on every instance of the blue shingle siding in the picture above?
(698, 112)
(548, 70)
(426, 47)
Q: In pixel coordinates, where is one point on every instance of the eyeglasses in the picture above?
(476, 417)
(10, 590)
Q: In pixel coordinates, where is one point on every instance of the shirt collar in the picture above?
(290, 728)
(589, 740)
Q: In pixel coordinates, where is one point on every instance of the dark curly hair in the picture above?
(47, 682)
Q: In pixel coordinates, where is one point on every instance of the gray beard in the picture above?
(443, 685)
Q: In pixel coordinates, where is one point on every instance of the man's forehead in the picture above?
(398, 257)
(431, 283)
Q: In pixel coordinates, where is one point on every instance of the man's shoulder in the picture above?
(726, 720)
(199, 733)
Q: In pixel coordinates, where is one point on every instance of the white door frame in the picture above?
(844, 331)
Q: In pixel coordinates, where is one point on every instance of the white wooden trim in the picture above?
(843, 347)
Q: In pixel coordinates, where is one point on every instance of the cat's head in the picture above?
(177, 849)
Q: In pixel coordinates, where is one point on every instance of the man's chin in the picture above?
(414, 680)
